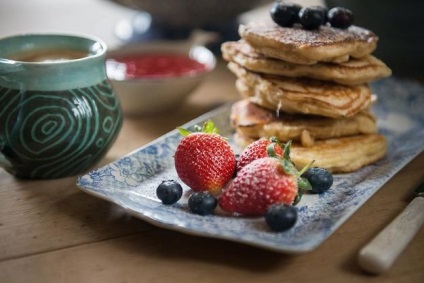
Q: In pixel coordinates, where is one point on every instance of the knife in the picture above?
(378, 255)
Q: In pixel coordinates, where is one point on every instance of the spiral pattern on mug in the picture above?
(52, 134)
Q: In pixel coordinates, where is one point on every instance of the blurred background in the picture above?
(119, 22)
(91, 17)
(400, 27)
(398, 24)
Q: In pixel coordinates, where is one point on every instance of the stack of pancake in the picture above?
(310, 87)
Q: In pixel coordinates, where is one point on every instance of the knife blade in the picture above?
(381, 252)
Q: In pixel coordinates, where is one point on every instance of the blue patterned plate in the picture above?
(132, 180)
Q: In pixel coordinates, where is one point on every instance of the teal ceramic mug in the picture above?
(58, 112)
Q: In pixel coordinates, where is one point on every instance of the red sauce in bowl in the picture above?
(154, 65)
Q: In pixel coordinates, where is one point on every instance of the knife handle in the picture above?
(379, 254)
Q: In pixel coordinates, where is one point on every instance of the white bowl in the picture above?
(146, 96)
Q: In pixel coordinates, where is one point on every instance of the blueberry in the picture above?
(202, 203)
(324, 10)
(169, 192)
(281, 217)
(285, 14)
(319, 178)
(339, 17)
(311, 17)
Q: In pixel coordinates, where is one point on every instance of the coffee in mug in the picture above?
(48, 55)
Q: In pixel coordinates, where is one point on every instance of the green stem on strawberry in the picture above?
(298, 197)
(207, 128)
(183, 132)
(288, 165)
(286, 151)
(270, 149)
(302, 183)
(290, 168)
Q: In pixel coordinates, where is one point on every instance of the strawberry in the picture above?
(204, 160)
(260, 148)
(263, 182)
(258, 185)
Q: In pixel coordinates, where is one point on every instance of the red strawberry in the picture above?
(258, 185)
(259, 149)
(204, 160)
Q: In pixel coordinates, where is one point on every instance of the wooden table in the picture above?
(50, 231)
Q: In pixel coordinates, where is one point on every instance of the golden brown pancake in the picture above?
(302, 95)
(256, 122)
(338, 155)
(352, 72)
(301, 46)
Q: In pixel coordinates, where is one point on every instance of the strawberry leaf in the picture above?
(274, 140)
(209, 127)
(183, 131)
(287, 150)
(298, 197)
(288, 167)
(304, 184)
(304, 169)
(270, 150)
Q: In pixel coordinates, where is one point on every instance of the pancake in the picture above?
(301, 46)
(338, 155)
(352, 72)
(256, 122)
(302, 95)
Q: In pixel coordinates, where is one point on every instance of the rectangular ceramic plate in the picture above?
(131, 181)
